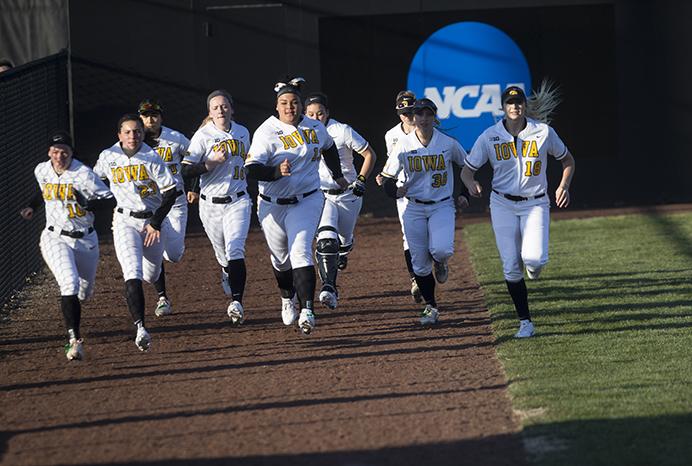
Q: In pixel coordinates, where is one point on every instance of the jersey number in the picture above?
(173, 168)
(74, 210)
(238, 173)
(146, 190)
(439, 180)
(315, 155)
(533, 168)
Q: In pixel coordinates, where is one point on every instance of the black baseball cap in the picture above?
(150, 106)
(317, 98)
(404, 102)
(61, 137)
(424, 103)
(513, 93)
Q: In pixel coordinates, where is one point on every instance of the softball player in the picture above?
(217, 154)
(425, 156)
(145, 192)
(284, 158)
(517, 148)
(342, 206)
(404, 108)
(69, 244)
(171, 146)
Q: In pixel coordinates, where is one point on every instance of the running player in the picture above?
(145, 192)
(517, 148)
(342, 206)
(404, 108)
(69, 244)
(425, 156)
(217, 154)
(284, 158)
(171, 146)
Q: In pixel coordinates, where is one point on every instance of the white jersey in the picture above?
(347, 141)
(391, 138)
(136, 182)
(229, 177)
(427, 170)
(62, 210)
(172, 148)
(517, 172)
(275, 141)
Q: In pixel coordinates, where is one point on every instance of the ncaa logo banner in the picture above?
(463, 68)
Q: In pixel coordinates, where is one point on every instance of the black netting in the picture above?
(34, 103)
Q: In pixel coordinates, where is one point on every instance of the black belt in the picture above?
(287, 200)
(224, 199)
(334, 192)
(511, 197)
(142, 214)
(73, 234)
(418, 201)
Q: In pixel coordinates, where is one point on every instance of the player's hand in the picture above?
(27, 213)
(401, 191)
(379, 179)
(358, 186)
(342, 182)
(152, 236)
(192, 197)
(463, 202)
(216, 158)
(475, 189)
(285, 167)
(562, 197)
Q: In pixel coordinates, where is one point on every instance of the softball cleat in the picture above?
(533, 274)
(526, 329)
(143, 339)
(441, 271)
(289, 310)
(328, 297)
(236, 313)
(429, 315)
(306, 322)
(74, 350)
(415, 292)
(163, 307)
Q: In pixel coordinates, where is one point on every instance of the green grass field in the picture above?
(607, 380)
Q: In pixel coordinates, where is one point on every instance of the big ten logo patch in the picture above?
(463, 68)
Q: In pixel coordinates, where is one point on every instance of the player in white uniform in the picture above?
(284, 158)
(217, 154)
(404, 108)
(341, 206)
(425, 156)
(171, 146)
(517, 148)
(145, 192)
(69, 244)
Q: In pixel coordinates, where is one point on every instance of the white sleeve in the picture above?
(100, 168)
(556, 147)
(458, 153)
(196, 149)
(355, 141)
(393, 166)
(479, 154)
(184, 143)
(260, 149)
(94, 186)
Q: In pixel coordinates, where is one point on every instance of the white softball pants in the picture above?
(429, 229)
(136, 261)
(72, 262)
(290, 230)
(227, 227)
(522, 231)
(175, 225)
(340, 212)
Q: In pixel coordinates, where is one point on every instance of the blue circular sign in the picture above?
(463, 68)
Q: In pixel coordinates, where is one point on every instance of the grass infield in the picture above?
(607, 380)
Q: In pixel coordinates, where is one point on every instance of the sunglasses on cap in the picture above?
(150, 107)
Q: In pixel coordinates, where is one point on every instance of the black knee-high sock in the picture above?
(160, 283)
(72, 314)
(237, 275)
(304, 280)
(520, 296)
(285, 281)
(426, 284)
(409, 264)
(134, 293)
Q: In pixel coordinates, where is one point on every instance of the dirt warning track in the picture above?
(368, 387)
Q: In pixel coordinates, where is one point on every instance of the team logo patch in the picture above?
(463, 68)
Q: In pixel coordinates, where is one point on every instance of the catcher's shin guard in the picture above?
(327, 256)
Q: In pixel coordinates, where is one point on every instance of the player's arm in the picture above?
(467, 177)
(262, 172)
(562, 196)
(35, 201)
(333, 162)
